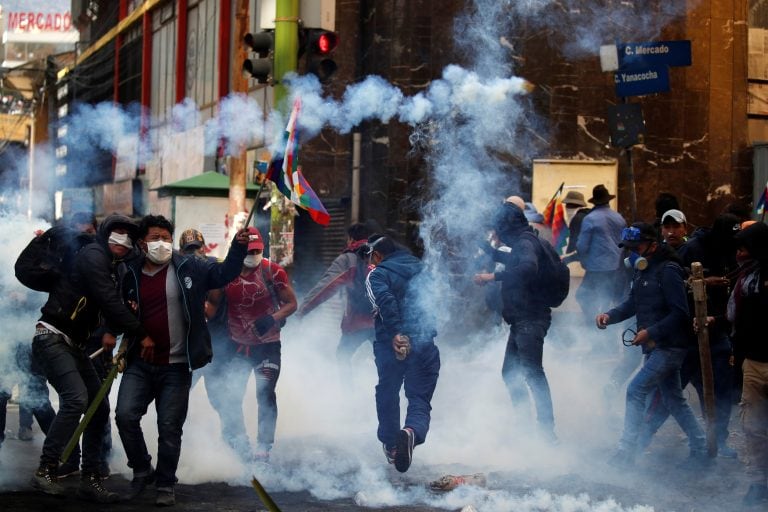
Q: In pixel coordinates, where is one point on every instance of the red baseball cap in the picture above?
(255, 241)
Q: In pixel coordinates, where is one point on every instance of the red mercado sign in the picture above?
(39, 21)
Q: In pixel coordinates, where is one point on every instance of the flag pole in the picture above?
(557, 193)
(255, 203)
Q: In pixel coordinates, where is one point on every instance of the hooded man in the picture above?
(73, 310)
(404, 349)
(528, 316)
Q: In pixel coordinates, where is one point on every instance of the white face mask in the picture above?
(253, 260)
(121, 239)
(159, 252)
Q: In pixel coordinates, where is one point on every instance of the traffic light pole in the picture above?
(286, 48)
(285, 61)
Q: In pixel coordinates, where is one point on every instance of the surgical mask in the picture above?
(635, 261)
(253, 260)
(159, 252)
(121, 239)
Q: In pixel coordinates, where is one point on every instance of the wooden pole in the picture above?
(707, 381)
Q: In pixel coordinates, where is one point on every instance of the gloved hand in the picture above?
(263, 324)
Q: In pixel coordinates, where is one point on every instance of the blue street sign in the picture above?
(640, 55)
(637, 82)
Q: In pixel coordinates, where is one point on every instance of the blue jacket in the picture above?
(195, 276)
(394, 288)
(658, 299)
(598, 243)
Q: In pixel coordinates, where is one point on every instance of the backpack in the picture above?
(554, 276)
(357, 294)
(49, 257)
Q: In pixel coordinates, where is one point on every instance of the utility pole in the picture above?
(285, 61)
(286, 47)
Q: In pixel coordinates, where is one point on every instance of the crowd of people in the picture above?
(166, 317)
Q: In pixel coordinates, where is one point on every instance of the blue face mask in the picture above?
(635, 261)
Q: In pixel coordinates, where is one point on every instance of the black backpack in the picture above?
(49, 257)
(554, 276)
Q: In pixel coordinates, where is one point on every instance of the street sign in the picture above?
(640, 55)
(647, 80)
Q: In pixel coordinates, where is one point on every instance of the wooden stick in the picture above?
(707, 380)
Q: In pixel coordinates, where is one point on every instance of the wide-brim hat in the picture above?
(574, 197)
(600, 195)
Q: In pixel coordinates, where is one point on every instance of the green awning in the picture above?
(208, 184)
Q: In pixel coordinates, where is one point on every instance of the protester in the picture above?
(404, 349)
(167, 291)
(259, 300)
(348, 272)
(747, 307)
(600, 255)
(674, 228)
(657, 299)
(529, 318)
(715, 249)
(73, 309)
(575, 211)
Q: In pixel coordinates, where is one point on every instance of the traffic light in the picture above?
(320, 44)
(261, 43)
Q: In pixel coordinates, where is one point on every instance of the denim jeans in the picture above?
(690, 372)
(72, 375)
(661, 369)
(168, 386)
(33, 400)
(523, 364)
(417, 373)
(227, 390)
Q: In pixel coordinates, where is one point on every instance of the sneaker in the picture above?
(389, 453)
(756, 495)
(91, 489)
(404, 450)
(139, 483)
(622, 459)
(69, 468)
(25, 434)
(45, 480)
(165, 497)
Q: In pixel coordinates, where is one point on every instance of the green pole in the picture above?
(286, 47)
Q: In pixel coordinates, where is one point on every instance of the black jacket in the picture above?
(195, 277)
(88, 293)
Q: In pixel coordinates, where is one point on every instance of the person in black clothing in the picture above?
(523, 309)
(747, 307)
(167, 291)
(73, 310)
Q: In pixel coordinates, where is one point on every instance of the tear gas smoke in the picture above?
(473, 125)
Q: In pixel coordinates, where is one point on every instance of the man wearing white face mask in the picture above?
(167, 290)
(258, 302)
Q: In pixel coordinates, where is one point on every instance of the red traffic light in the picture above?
(324, 42)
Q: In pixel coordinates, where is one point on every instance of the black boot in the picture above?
(45, 480)
(91, 489)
